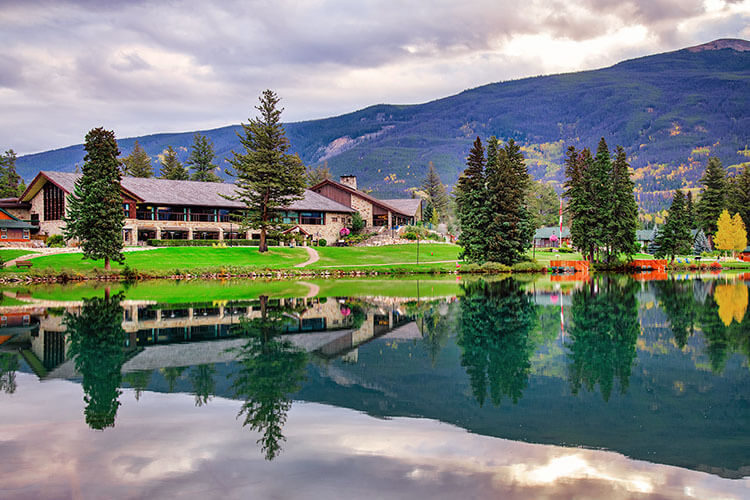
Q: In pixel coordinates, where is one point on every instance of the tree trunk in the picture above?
(262, 246)
(107, 265)
(106, 293)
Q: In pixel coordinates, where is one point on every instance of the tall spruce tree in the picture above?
(739, 195)
(268, 178)
(171, 167)
(598, 180)
(201, 160)
(690, 210)
(95, 216)
(700, 243)
(138, 162)
(470, 205)
(510, 228)
(674, 236)
(622, 213)
(713, 197)
(581, 205)
(11, 184)
(437, 198)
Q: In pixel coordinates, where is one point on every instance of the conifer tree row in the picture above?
(601, 202)
(138, 163)
(171, 167)
(674, 236)
(201, 160)
(491, 204)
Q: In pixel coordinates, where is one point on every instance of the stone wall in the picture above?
(364, 208)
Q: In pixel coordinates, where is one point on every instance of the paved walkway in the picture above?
(313, 257)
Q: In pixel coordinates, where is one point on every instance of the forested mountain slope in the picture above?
(670, 111)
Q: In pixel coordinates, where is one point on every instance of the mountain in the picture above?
(670, 111)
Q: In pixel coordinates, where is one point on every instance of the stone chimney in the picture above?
(349, 180)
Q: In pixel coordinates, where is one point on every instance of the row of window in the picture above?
(4, 234)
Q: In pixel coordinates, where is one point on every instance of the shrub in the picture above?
(495, 267)
(527, 267)
(410, 236)
(322, 242)
(358, 224)
(128, 273)
(56, 241)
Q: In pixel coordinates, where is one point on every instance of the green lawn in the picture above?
(11, 253)
(182, 258)
(341, 257)
(545, 256)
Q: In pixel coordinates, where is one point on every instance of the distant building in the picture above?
(12, 229)
(375, 212)
(745, 254)
(543, 237)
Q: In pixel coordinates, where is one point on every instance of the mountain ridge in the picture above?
(669, 110)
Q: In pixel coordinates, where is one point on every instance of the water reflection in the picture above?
(617, 361)
(96, 337)
(270, 371)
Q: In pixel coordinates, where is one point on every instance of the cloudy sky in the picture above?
(142, 66)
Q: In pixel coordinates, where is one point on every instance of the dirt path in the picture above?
(313, 257)
(313, 291)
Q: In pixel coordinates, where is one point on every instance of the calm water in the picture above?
(444, 388)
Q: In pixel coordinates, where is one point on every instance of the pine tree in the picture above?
(690, 210)
(739, 195)
(138, 163)
(95, 216)
(653, 245)
(470, 205)
(581, 203)
(316, 175)
(268, 178)
(510, 231)
(713, 196)
(11, 184)
(435, 191)
(600, 191)
(674, 236)
(622, 216)
(171, 168)
(201, 160)
(701, 245)
(543, 204)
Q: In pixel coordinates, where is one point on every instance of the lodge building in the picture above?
(170, 209)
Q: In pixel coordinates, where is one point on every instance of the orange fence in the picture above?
(650, 264)
(561, 266)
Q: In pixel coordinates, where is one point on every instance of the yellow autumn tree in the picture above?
(730, 233)
(732, 302)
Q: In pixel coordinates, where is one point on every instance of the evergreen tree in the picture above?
(171, 168)
(138, 163)
(713, 196)
(543, 204)
(268, 178)
(690, 211)
(201, 160)
(11, 184)
(700, 244)
(674, 236)
(622, 216)
(598, 181)
(510, 230)
(739, 195)
(95, 215)
(316, 175)
(653, 245)
(470, 205)
(581, 207)
(435, 191)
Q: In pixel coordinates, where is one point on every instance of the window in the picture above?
(54, 202)
(288, 217)
(334, 219)
(312, 218)
(4, 234)
(26, 234)
(126, 209)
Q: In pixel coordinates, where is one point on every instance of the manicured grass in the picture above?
(11, 301)
(182, 258)
(545, 256)
(11, 253)
(341, 257)
(390, 287)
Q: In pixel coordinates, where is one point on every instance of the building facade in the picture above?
(168, 209)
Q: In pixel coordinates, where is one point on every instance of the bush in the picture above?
(410, 236)
(56, 241)
(527, 267)
(128, 273)
(208, 243)
(358, 224)
(322, 242)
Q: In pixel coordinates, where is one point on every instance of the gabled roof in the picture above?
(14, 222)
(544, 233)
(408, 206)
(381, 203)
(168, 192)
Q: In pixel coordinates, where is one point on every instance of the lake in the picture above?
(442, 387)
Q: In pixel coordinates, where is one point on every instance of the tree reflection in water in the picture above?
(602, 335)
(96, 342)
(496, 322)
(270, 370)
(204, 386)
(8, 367)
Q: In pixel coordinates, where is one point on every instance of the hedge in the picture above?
(208, 243)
